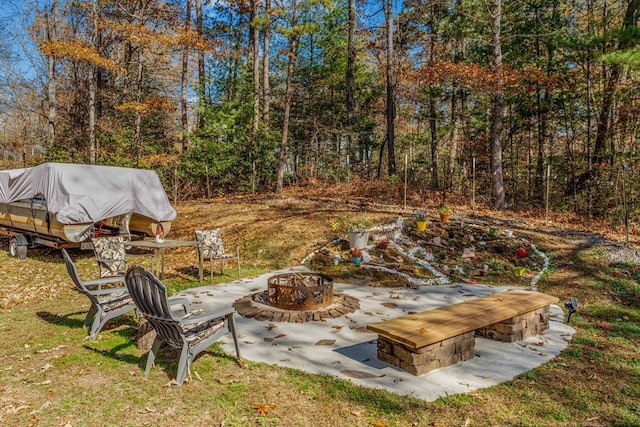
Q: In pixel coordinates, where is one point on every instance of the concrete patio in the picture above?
(343, 348)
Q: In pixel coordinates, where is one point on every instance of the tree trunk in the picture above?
(434, 140)
(351, 67)
(497, 182)
(93, 88)
(455, 137)
(390, 92)
(137, 132)
(266, 86)
(255, 62)
(629, 21)
(287, 100)
(51, 76)
(184, 118)
(201, 76)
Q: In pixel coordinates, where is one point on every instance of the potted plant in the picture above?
(445, 214)
(357, 228)
(356, 255)
(421, 220)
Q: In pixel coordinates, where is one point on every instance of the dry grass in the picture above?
(52, 376)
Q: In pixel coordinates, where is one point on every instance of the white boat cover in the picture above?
(79, 194)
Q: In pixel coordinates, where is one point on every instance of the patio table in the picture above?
(160, 246)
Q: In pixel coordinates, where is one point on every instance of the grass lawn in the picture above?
(52, 376)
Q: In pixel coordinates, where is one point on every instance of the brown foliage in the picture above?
(478, 77)
(77, 51)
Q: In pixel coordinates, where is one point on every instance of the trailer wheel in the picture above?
(16, 249)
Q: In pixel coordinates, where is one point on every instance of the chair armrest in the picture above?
(103, 281)
(182, 304)
(209, 315)
(108, 291)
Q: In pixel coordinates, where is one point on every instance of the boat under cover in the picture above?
(74, 202)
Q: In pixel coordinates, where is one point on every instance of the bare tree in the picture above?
(254, 49)
(351, 67)
(497, 182)
(391, 106)
(266, 87)
(51, 74)
(201, 76)
(93, 87)
(288, 97)
(184, 123)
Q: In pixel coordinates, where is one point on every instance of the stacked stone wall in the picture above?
(519, 327)
(461, 347)
(433, 356)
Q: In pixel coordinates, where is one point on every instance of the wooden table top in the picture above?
(431, 326)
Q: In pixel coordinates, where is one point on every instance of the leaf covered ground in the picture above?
(52, 376)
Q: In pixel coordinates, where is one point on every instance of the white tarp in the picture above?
(79, 194)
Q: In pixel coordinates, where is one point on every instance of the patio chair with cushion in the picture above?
(175, 322)
(112, 256)
(213, 249)
(109, 297)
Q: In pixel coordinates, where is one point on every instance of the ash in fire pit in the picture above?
(297, 297)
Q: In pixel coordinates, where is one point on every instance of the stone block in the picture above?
(385, 345)
(466, 345)
(467, 355)
(392, 360)
(420, 369)
(426, 349)
(445, 352)
(457, 338)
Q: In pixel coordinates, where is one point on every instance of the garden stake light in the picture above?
(572, 306)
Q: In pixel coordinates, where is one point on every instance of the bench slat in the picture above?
(431, 326)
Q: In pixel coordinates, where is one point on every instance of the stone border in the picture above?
(441, 278)
(254, 306)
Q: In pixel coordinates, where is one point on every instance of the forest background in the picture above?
(513, 103)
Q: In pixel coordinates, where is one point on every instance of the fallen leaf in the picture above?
(264, 408)
(280, 335)
(337, 327)
(271, 326)
(377, 423)
(423, 330)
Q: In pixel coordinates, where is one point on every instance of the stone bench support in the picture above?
(433, 339)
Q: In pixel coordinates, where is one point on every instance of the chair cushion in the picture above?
(201, 331)
(211, 243)
(114, 301)
(111, 255)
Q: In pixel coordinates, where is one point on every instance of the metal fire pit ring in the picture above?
(300, 291)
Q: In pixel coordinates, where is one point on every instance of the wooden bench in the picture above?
(421, 342)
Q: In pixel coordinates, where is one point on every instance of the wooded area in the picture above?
(250, 95)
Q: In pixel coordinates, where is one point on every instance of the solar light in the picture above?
(571, 306)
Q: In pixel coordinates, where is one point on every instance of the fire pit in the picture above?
(297, 297)
(300, 291)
